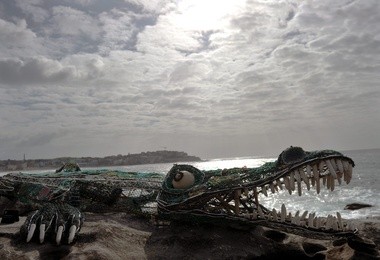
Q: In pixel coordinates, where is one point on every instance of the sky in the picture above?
(213, 78)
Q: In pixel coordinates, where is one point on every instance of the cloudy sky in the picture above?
(212, 78)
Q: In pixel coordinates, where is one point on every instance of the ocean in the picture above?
(363, 188)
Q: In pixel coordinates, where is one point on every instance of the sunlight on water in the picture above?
(326, 202)
(231, 163)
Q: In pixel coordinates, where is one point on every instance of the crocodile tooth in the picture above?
(334, 224)
(312, 181)
(349, 173)
(310, 220)
(297, 218)
(299, 188)
(345, 168)
(264, 190)
(306, 178)
(287, 184)
(276, 184)
(352, 226)
(318, 223)
(340, 165)
(329, 222)
(324, 179)
(340, 222)
(333, 163)
(304, 215)
(345, 165)
(283, 212)
(315, 218)
(255, 194)
(332, 183)
(326, 223)
(320, 167)
(345, 177)
(246, 192)
(279, 184)
(315, 174)
(315, 171)
(331, 168)
(297, 175)
(272, 188)
(318, 185)
(260, 211)
(339, 175)
(308, 170)
(289, 216)
(340, 179)
(274, 215)
(349, 226)
(292, 184)
(31, 232)
(307, 181)
(297, 178)
(328, 184)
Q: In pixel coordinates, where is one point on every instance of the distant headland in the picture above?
(114, 160)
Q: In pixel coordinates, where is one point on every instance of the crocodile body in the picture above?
(184, 194)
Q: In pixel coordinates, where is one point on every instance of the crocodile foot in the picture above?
(59, 221)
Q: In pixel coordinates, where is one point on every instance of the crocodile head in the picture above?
(233, 194)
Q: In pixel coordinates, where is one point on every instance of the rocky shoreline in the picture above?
(114, 160)
(125, 236)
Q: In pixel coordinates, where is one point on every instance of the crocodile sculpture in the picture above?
(57, 200)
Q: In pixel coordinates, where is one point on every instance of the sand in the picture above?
(124, 236)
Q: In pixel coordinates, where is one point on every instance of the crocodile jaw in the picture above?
(311, 174)
(242, 203)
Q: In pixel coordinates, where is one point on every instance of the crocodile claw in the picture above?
(53, 221)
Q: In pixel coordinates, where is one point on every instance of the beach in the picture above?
(125, 236)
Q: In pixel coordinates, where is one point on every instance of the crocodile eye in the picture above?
(183, 180)
(293, 155)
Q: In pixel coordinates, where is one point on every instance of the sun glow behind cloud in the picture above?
(205, 15)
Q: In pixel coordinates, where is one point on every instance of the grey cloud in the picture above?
(15, 37)
(159, 6)
(33, 71)
(176, 92)
(54, 28)
(32, 9)
(84, 3)
(121, 29)
(39, 70)
(187, 69)
(39, 139)
(249, 21)
(67, 21)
